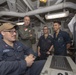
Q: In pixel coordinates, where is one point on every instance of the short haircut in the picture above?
(57, 22)
(26, 16)
(44, 27)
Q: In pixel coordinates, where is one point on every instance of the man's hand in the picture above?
(30, 35)
(68, 46)
(39, 54)
(48, 52)
(30, 60)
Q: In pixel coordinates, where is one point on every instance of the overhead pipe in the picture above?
(7, 21)
(41, 10)
(31, 8)
(2, 1)
(58, 1)
(53, 8)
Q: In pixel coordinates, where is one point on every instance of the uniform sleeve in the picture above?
(28, 50)
(52, 40)
(33, 37)
(33, 34)
(12, 67)
(39, 42)
(67, 38)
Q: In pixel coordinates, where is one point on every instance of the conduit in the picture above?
(40, 10)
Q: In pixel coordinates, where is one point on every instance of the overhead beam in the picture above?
(7, 21)
(2, 1)
(32, 8)
(12, 5)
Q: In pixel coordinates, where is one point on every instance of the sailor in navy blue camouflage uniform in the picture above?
(45, 44)
(61, 40)
(15, 58)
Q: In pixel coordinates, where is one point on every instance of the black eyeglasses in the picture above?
(10, 31)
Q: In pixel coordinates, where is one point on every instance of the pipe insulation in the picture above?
(40, 10)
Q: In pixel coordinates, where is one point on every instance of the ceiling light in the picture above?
(20, 23)
(44, 1)
(57, 15)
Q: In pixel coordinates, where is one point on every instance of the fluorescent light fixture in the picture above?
(20, 23)
(57, 15)
(43, 1)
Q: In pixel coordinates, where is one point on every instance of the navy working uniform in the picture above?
(45, 44)
(16, 54)
(11, 67)
(60, 43)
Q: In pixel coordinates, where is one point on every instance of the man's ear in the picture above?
(60, 26)
(2, 32)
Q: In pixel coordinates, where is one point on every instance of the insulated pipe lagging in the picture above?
(41, 10)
